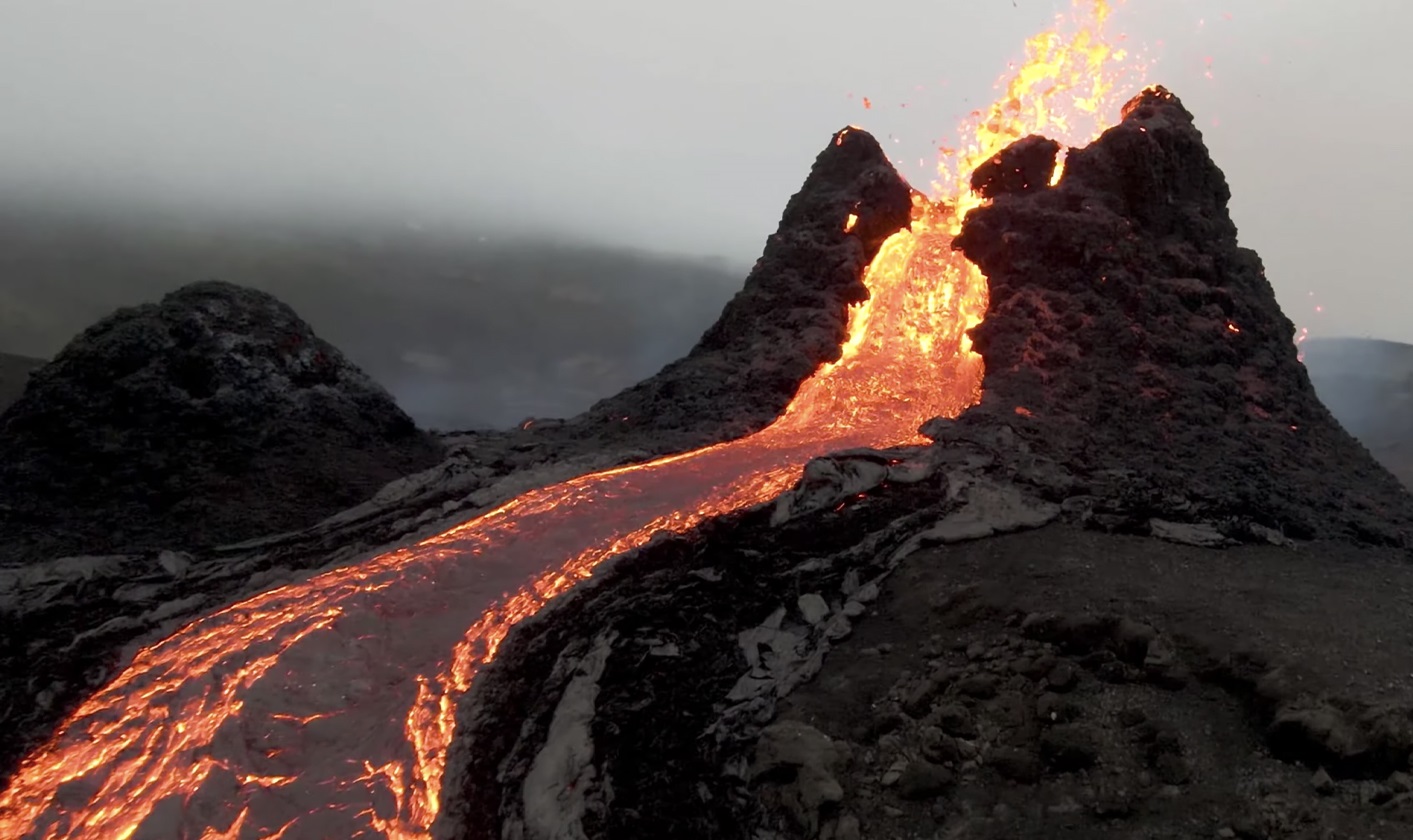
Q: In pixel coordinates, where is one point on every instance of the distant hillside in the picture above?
(465, 330)
(1368, 385)
(469, 330)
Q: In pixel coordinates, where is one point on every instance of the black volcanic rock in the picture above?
(213, 416)
(789, 318)
(1128, 331)
(1025, 165)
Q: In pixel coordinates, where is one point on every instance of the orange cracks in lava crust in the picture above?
(325, 708)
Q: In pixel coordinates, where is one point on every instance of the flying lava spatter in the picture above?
(324, 708)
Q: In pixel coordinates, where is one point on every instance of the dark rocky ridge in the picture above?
(790, 317)
(1116, 399)
(70, 620)
(1137, 335)
(214, 416)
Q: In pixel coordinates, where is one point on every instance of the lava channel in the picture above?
(324, 708)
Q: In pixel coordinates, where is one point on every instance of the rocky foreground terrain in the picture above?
(898, 666)
(1064, 682)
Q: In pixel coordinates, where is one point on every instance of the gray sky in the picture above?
(685, 126)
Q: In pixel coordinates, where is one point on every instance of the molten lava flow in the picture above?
(324, 708)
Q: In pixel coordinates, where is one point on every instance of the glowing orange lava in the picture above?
(324, 708)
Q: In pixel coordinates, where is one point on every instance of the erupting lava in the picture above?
(324, 708)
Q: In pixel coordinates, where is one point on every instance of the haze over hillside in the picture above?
(477, 327)
(681, 127)
(465, 328)
(1368, 384)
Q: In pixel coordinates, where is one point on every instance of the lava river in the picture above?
(324, 708)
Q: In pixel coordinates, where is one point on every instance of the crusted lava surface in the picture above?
(876, 655)
(1133, 333)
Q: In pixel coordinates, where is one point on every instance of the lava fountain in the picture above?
(324, 708)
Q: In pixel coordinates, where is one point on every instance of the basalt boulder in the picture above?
(214, 416)
(1025, 165)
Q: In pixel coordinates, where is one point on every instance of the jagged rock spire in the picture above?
(791, 315)
(1128, 331)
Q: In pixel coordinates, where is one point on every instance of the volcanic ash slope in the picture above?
(1061, 678)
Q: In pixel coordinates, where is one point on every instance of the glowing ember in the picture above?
(279, 716)
(1304, 332)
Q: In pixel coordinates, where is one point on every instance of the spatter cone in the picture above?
(1130, 336)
